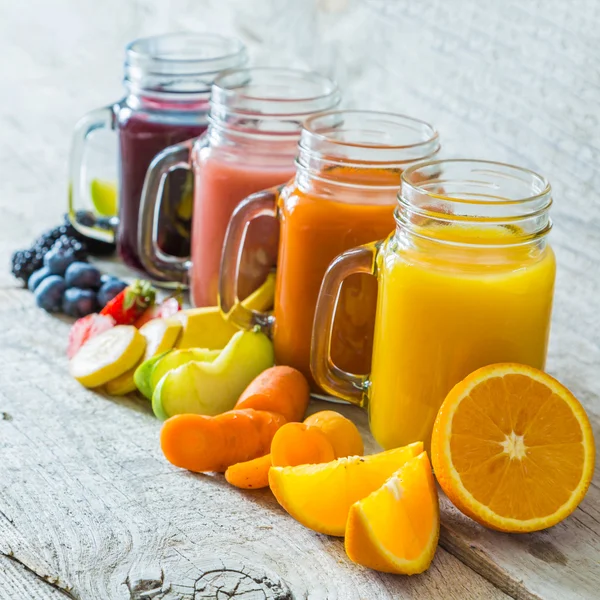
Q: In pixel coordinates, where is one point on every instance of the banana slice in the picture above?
(107, 356)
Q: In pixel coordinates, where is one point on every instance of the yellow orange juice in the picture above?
(444, 311)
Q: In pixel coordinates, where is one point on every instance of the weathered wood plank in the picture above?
(87, 500)
(18, 582)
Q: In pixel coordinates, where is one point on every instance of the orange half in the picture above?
(396, 529)
(320, 495)
(513, 448)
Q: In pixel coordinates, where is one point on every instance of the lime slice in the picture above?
(104, 197)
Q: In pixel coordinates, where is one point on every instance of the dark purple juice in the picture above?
(140, 140)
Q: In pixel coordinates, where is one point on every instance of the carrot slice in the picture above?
(251, 474)
(200, 443)
(280, 389)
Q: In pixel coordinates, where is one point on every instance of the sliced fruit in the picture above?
(251, 474)
(122, 385)
(207, 328)
(297, 444)
(396, 528)
(320, 496)
(210, 388)
(160, 335)
(142, 373)
(167, 308)
(104, 197)
(513, 448)
(85, 329)
(263, 297)
(204, 328)
(107, 355)
(340, 431)
(176, 359)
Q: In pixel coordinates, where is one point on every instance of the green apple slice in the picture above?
(211, 388)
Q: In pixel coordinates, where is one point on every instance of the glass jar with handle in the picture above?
(255, 121)
(466, 280)
(344, 192)
(167, 80)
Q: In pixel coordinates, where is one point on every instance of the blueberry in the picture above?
(109, 290)
(107, 277)
(82, 275)
(37, 277)
(79, 303)
(57, 260)
(49, 293)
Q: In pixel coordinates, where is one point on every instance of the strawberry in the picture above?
(128, 305)
(167, 308)
(85, 329)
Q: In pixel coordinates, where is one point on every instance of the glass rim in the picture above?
(309, 127)
(236, 45)
(418, 187)
(222, 92)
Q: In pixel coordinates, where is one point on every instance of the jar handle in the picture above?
(328, 376)
(257, 205)
(101, 118)
(158, 264)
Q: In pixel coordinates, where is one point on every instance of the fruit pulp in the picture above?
(441, 315)
(316, 226)
(140, 140)
(220, 185)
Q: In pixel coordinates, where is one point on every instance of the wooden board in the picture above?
(88, 507)
(88, 503)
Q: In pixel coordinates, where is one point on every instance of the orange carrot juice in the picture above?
(439, 319)
(314, 230)
(348, 173)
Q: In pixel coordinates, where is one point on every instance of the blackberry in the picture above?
(26, 262)
(67, 243)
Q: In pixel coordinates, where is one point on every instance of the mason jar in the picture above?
(167, 85)
(343, 194)
(465, 280)
(255, 121)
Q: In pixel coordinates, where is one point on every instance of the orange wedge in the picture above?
(320, 496)
(513, 448)
(396, 528)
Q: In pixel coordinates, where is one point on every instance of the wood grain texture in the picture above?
(87, 503)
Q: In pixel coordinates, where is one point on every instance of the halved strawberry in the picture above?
(167, 308)
(85, 329)
(125, 308)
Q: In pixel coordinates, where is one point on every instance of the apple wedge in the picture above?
(210, 388)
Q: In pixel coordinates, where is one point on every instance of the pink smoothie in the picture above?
(219, 187)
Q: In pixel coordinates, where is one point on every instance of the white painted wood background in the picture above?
(86, 501)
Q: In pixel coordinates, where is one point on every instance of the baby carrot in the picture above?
(200, 443)
(251, 474)
(280, 389)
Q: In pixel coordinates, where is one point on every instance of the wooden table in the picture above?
(89, 508)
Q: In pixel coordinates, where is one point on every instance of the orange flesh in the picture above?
(549, 457)
(396, 528)
(319, 496)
